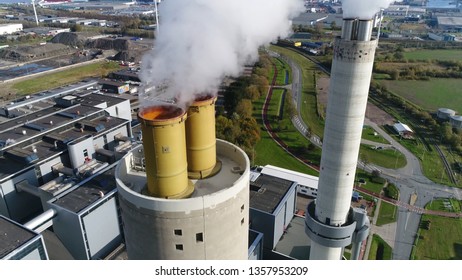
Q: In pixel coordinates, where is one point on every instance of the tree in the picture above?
(234, 93)
(333, 25)
(252, 93)
(261, 82)
(249, 132)
(225, 129)
(244, 108)
(398, 56)
(76, 28)
(446, 132)
(318, 28)
(395, 74)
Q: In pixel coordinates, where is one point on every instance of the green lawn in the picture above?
(267, 151)
(430, 95)
(309, 102)
(432, 165)
(275, 105)
(380, 250)
(282, 68)
(370, 134)
(387, 213)
(64, 77)
(370, 185)
(442, 54)
(388, 158)
(443, 240)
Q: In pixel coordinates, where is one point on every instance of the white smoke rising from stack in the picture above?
(364, 9)
(203, 41)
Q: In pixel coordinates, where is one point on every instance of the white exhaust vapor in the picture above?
(364, 9)
(202, 41)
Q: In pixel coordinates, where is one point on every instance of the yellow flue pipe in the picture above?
(200, 138)
(164, 144)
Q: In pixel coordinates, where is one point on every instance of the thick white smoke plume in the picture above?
(364, 9)
(202, 41)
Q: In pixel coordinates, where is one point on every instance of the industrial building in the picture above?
(73, 169)
(403, 130)
(114, 86)
(53, 147)
(19, 243)
(447, 23)
(10, 28)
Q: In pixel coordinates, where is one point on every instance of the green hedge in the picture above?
(391, 191)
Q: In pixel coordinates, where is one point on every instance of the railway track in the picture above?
(446, 164)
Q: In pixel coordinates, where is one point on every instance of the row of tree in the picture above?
(236, 123)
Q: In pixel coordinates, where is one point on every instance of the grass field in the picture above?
(443, 241)
(309, 101)
(282, 68)
(368, 134)
(371, 186)
(442, 54)
(275, 105)
(380, 250)
(65, 77)
(430, 95)
(267, 151)
(388, 158)
(387, 214)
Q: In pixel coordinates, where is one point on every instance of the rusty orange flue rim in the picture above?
(204, 100)
(161, 113)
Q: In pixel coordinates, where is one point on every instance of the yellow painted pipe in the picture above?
(200, 137)
(164, 144)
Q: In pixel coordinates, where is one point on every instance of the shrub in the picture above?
(391, 191)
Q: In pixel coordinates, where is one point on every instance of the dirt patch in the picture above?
(373, 113)
(34, 52)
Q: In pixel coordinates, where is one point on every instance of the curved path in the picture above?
(267, 124)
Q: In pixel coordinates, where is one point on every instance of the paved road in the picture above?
(409, 179)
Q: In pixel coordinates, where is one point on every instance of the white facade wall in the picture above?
(10, 28)
(121, 110)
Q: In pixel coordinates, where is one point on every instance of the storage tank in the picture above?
(445, 113)
(200, 138)
(456, 121)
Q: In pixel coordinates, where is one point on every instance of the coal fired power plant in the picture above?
(330, 222)
(183, 193)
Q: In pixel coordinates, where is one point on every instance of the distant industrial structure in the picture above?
(10, 28)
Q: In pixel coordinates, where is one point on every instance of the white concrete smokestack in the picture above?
(330, 222)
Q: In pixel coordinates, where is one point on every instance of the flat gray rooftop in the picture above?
(88, 193)
(95, 99)
(267, 191)
(42, 127)
(12, 236)
(295, 243)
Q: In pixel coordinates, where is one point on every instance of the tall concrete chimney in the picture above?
(331, 223)
(200, 138)
(164, 145)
